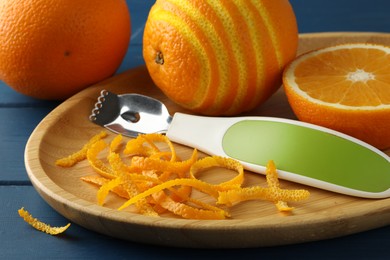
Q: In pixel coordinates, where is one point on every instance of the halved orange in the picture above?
(345, 88)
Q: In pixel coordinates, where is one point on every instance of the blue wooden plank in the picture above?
(19, 240)
(139, 11)
(312, 16)
(342, 15)
(15, 129)
(11, 98)
(132, 59)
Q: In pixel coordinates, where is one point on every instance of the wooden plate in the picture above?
(256, 223)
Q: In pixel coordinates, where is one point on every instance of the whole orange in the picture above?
(51, 49)
(219, 57)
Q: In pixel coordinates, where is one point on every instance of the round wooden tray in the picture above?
(255, 223)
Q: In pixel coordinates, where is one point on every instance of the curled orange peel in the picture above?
(206, 211)
(80, 155)
(115, 143)
(155, 180)
(148, 163)
(234, 196)
(39, 225)
(144, 145)
(130, 184)
(99, 181)
(198, 184)
(271, 193)
(217, 161)
(273, 181)
(106, 188)
(98, 165)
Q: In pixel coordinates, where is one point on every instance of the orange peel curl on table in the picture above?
(39, 225)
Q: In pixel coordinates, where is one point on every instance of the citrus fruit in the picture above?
(219, 57)
(345, 88)
(51, 49)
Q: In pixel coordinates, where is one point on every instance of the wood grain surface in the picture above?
(256, 223)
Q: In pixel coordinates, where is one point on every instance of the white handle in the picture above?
(202, 133)
(307, 154)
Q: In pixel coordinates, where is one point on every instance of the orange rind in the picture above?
(154, 181)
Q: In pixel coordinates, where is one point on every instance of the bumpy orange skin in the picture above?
(219, 57)
(51, 49)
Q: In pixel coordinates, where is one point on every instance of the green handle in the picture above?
(309, 152)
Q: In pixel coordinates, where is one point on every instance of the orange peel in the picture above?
(198, 184)
(144, 145)
(99, 181)
(80, 155)
(206, 211)
(234, 196)
(155, 180)
(106, 188)
(147, 163)
(217, 161)
(127, 180)
(97, 164)
(38, 225)
(271, 193)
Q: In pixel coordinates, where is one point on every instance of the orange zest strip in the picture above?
(181, 194)
(121, 170)
(115, 143)
(137, 147)
(142, 205)
(206, 211)
(147, 163)
(144, 145)
(234, 196)
(40, 225)
(271, 175)
(161, 155)
(97, 164)
(273, 181)
(129, 185)
(99, 181)
(283, 207)
(106, 188)
(81, 154)
(217, 161)
(272, 193)
(151, 138)
(200, 185)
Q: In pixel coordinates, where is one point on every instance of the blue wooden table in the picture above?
(19, 115)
